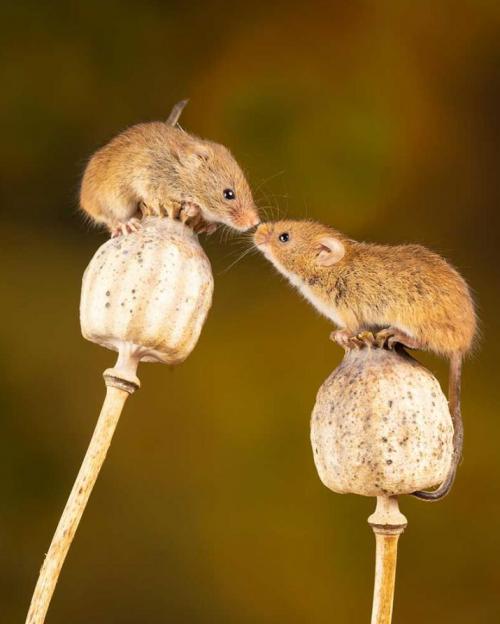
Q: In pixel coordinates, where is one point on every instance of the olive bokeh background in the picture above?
(381, 118)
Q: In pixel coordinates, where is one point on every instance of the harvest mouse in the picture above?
(159, 169)
(403, 294)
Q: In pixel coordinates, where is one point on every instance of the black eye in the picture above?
(284, 237)
(229, 194)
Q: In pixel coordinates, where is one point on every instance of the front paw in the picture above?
(191, 215)
(189, 212)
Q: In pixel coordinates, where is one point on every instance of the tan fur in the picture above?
(375, 286)
(161, 167)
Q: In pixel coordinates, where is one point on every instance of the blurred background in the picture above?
(378, 118)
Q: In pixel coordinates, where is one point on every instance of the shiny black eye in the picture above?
(229, 194)
(284, 237)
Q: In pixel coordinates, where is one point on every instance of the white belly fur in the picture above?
(327, 310)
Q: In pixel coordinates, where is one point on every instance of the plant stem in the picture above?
(387, 523)
(120, 381)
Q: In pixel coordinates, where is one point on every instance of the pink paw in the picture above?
(132, 225)
(349, 341)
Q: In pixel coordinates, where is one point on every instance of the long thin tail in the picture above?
(176, 112)
(454, 384)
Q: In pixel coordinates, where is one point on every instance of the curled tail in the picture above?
(458, 431)
(176, 112)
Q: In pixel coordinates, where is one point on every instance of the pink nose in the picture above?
(248, 219)
(255, 220)
(244, 216)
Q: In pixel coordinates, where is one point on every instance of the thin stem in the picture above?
(387, 523)
(120, 382)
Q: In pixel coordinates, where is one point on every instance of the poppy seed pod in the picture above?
(145, 295)
(381, 426)
(151, 289)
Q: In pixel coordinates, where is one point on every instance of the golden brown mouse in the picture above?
(159, 169)
(403, 294)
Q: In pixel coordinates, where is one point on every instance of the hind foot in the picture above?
(122, 229)
(390, 337)
(349, 341)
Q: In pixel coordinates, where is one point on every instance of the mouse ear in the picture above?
(330, 251)
(203, 152)
(198, 153)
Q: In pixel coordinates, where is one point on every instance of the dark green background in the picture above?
(380, 118)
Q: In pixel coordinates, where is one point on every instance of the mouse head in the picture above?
(300, 249)
(222, 189)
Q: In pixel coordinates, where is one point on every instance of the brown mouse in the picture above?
(403, 294)
(159, 169)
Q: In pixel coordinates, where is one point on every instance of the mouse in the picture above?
(158, 169)
(388, 294)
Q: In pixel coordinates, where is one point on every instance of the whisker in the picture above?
(265, 211)
(245, 253)
(225, 233)
(266, 180)
(266, 198)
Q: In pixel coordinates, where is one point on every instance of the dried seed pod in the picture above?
(152, 289)
(381, 426)
(145, 295)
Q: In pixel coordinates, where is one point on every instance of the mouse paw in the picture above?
(154, 208)
(346, 339)
(189, 210)
(349, 341)
(190, 214)
(366, 338)
(390, 337)
(122, 229)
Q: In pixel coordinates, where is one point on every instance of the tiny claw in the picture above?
(130, 226)
(189, 210)
(367, 339)
(173, 211)
(389, 338)
(133, 225)
(192, 210)
(349, 341)
(118, 231)
(343, 338)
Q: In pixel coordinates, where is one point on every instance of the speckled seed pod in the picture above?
(152, 289)
(381, 426)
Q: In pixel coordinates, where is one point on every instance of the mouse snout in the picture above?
(247, 219)
(254, 220)
(263, 234)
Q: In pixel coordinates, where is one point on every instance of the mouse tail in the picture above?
(176, 112)
(454, 384)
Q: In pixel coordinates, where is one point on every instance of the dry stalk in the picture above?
(120, 383)
(387, 523)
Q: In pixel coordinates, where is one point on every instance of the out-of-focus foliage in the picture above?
(378, 117)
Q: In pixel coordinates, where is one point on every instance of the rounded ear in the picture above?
(198, 154)
(193, 154)
(202, 152)
(330, 251)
